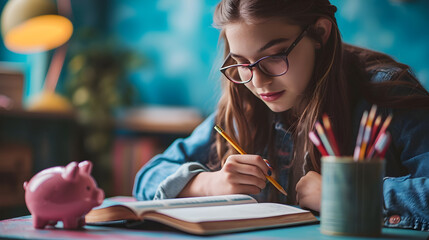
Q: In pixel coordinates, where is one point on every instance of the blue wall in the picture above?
(393, 27)
(177, 36)
(181, 45)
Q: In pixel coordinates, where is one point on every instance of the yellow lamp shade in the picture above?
(30, 26)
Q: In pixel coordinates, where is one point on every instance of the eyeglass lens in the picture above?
(272, 66)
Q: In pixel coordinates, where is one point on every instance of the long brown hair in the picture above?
(338, 68)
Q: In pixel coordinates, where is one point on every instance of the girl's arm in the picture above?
(406, 186)
(241, 174)
(181, 170)
(165, 175)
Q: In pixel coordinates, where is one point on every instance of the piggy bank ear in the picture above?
(85, 167)
(71, 172)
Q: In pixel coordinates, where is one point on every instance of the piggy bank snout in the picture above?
(98, 196)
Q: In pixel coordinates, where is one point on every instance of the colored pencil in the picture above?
(383, 129)
(383, 144)
(268, 164)
(373, 134)
(241, 151)
(325, 141)
(317, 143)
(375, 129)
(330, 133)
(360, 135)
(385, 125)
(367, 133)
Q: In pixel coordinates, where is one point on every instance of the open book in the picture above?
(204, 215)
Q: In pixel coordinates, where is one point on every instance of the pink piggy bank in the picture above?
(64, 194)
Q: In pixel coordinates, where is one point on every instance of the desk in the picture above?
(22, 228)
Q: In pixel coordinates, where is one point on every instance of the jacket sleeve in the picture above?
(406, 185)
(165, 175)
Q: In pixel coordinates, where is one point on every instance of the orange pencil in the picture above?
(373, 134)
(386, 124)
(241, 151)
(367, 133)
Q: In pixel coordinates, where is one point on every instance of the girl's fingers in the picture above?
(244, 179)
(297, 198)
(308, 191)
(251, 170)
(254, 160)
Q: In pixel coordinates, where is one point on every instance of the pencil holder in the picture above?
(351, 196)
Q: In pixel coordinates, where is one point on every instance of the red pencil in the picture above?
(375, 129)
(330, 133)
(383, 144)
(317, 143)
(383, 128)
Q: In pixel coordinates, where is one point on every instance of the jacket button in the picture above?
(395, 219)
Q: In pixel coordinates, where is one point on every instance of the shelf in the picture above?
(157, 119)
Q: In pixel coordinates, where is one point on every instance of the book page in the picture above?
(140, 207)
(231, 212)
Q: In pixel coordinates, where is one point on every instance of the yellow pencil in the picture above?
(241, 151)
(367, 134)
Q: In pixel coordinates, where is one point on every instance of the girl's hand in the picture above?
(240, 174)
(308, 191)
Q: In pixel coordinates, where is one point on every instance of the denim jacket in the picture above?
(405, 188)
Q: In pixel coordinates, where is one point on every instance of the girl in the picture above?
(285, 65)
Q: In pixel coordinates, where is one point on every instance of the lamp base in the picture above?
(49, 101)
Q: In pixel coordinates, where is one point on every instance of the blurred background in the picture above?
(135, 75)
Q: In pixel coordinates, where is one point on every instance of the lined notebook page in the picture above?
(230, 212)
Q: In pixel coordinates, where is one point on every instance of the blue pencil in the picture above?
(324, 139)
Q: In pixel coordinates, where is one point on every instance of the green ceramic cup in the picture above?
(352, 194)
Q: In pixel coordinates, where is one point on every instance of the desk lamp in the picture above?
(31, 26)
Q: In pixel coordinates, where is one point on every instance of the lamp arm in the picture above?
(57, 62)
(65, 8)
(55, 67)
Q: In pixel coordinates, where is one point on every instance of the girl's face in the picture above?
(248, 43)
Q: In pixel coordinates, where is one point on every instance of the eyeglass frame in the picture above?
(256, 63)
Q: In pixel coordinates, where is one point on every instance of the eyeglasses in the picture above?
(272, 65)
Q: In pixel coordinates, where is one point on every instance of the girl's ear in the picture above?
(323, 26)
